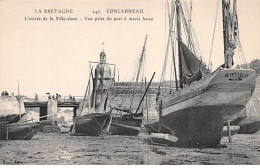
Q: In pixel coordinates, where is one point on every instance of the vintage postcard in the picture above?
(129, 82)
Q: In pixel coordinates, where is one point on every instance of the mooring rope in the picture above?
(102, 124)
(152, 127)
(213, 33)
(29, 133)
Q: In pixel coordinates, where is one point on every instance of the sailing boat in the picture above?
(126, 121)
(18, 129)
(203, 101)
(249, 126)
(96, 120)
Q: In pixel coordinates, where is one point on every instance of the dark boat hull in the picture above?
(249, 126)
(196, 113)
(91, 124)
(125, 126)
(153, 128)
(195, 126)
(19, 131)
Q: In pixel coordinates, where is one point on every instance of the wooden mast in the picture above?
(179, 39)
(224, 31)
(172, 42)
(189, 37)
(138, 72)
(118, 75)
(145, 93)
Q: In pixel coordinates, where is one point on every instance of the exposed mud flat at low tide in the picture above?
(65, 149)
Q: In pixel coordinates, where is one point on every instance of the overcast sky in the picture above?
(52, 56)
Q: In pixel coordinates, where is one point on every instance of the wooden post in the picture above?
(74, 112)
(6, 131)
(229, 132)
(118, 76)
(160, 116)
(146, 102)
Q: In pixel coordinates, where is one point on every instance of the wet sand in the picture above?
(51, 148)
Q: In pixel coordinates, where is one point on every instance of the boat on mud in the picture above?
(96, 120)
(249, 126)
(91, 124)
(162, 139)
(125, 122)
(13, 123)
(203, 101)
(65, 128)
(128, 120)
(20, 131)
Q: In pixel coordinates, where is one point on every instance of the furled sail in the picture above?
(192, 68)
(231, 31)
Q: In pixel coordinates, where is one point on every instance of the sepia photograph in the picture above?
(129, 82)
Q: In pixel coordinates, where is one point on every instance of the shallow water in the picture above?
(50, 148)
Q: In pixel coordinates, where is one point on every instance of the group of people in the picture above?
(72, 98)
(5, 93)
(58, 97)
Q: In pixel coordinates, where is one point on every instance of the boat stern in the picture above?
(234, 80)
(233, 88)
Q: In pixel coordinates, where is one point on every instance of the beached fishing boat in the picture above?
(13, 126)
(65, 128)
(162, 139)
(249, 126)
(19, 131)
(125, 122)
(96, 120)
(128, 120)
(203, 101)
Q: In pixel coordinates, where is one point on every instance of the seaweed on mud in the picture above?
(157, 151)
(93, 150)
(88, 155)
